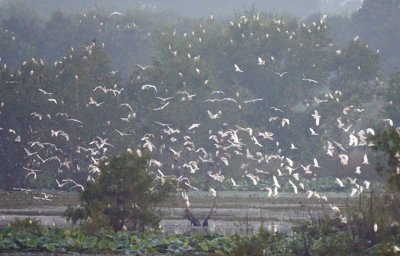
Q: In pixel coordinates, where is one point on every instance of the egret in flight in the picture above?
(237, 69)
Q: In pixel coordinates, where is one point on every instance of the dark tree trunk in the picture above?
(205, 221)
(195, 221)
(190, 216)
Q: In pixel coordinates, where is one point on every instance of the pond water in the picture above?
(240, 213)
(172, 226)
(224, 227)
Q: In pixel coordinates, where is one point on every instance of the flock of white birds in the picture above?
(232, 143)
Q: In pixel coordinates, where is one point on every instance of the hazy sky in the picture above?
(195, 8)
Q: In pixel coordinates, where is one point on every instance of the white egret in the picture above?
(294, 186)
(316, 165)
(313, 132)
(214, 116)
(316, 117)
(276, 183)
(217, 176)
(307, 168)
(344, 159)
(93, 102)
(142, 67)
(285, 121)
(370, 131)
(281, 74)
(254, 178)
(251, 101)
(115, 14)
(388, 121)
(45, 93)
(237, 69)
(29, 153)
(164, 99)
(365, 159)
(310, 80)
(193, 126)
(213, 192)
(37, 115)
(276, 109)
(149, 86)
(353, 140)
(339, 181)
(162, 107)
(122, 133)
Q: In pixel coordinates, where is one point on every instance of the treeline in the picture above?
(192, 8)
(376, 24)
(216, 102)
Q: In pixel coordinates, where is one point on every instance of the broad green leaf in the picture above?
(7, 244)
(203, 246)
(106, 244)
(50, 247)
(89, 242)
(135, 247)
(31, 242)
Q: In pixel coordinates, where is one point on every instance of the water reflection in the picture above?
(224, 227)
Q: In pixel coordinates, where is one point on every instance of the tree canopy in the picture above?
(249, 101)
(124, 196)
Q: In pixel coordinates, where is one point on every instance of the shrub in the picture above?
(124, 196)
(28, 225)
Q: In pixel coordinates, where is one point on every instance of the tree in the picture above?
(391, 96)
(19, 96)
(387, 149)
(123, 196)
(377, 23)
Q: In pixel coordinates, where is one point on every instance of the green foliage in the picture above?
(387, 149)
(193, 57)
(358, 62)
(354, 234)
(392, 101)
(377, 23)
(264, 243)
(123, 196)
(323, 237)
(26, 225)
(61, 241)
